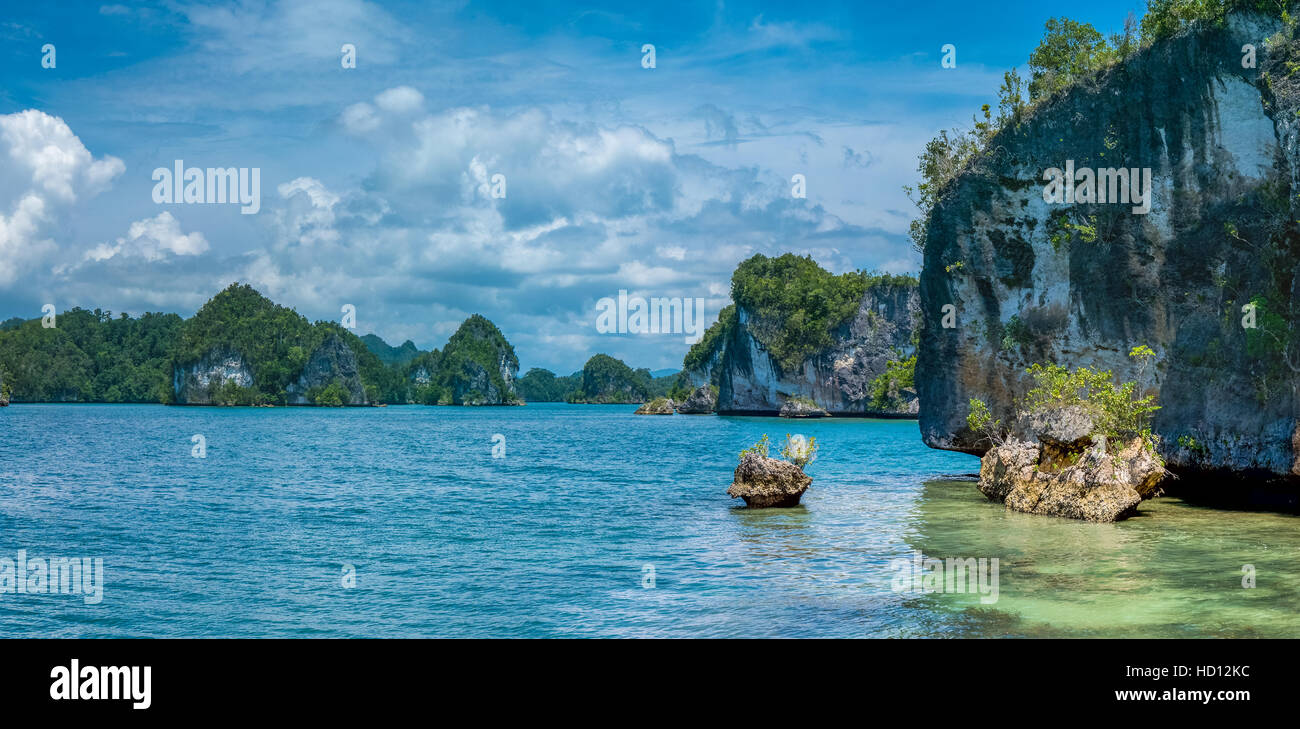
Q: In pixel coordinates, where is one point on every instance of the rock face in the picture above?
(332, 362)
(702, 401)
(1223, 146)
(657, 406)
(4, 394)
(474, 385)
(801, 408)
(1091, 484)
(764, 482)
(839, 377)
(197, 383)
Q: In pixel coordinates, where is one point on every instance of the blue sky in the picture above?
(375, 180)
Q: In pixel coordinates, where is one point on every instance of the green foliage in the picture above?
(1068, 52)
(799, 450)
(1191, 444)
(943, 158)
(1062, 231)
(332, 395)
(713, 340)
(795, 449)
(898, 375)
(607, 380)
(1116, 408)
(1165, 18)
(477, 349)
(239, 319)
(465, 369)
(391, 356)
(90, 356)
(681, 388)
(759, 448)
(1016, 334)
(980, 420)
(540, 385)
(797, 305)
(1269, 337)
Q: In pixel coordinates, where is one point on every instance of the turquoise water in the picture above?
(555, 538)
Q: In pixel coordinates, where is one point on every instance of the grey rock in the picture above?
(332, 362)
(799, 408)
(1098, 486)
(657, 406)
(1068, 428)
(702, 401)
(198, 382)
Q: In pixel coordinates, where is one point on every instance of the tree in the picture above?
(1069, 50)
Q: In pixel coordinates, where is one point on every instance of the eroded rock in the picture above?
(702, 401)
(767, 482)
(332, 362)
(1092, 484)
(800, 408)
(198, 383)
(657, 406)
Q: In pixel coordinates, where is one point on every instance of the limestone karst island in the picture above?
(489, 319)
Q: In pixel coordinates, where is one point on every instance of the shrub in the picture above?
(759, 448)
(799, 450)
(898, 374)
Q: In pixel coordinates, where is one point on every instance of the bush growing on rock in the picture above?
(799, 450)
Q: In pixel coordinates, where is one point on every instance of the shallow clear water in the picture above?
(554, 538)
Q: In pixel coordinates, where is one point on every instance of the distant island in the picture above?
(797, 335)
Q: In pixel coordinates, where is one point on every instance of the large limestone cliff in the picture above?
(838, 378)
(1026, 286)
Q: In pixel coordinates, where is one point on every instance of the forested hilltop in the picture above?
(798, 333)
(241, 348)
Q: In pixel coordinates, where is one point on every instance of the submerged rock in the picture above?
(701, 402)
(1091, 484)
(765, 482)
(657, 406)
(801, 408)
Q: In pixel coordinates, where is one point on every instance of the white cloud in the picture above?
(46, 168)
(400, 100)
(152, 239)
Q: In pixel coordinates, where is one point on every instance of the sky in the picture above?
(377, 182)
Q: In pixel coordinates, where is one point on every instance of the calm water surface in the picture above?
(554, 539)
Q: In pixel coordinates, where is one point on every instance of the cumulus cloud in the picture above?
(589, 210)
(152, 239)
(46, 169)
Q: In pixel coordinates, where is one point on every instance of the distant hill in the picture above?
(606, 380)
(541, 385)
(389, 354)
(241, 348)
